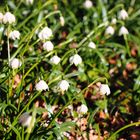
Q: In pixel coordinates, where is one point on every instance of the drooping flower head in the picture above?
(76, 59)
(123, 15)
(45, 33)
(82, 109)
(123, 31)
(104, 89)
(14, 35)
(15, 63)
(48, 46)
(55, 60)
(88, 4)
(41, 85)
(64, 85)
(92, 45)
(109, 30)
(25, 119)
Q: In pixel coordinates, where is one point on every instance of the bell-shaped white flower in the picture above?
(76, 59)
(88, 4)
(55, 60)
(62, 20)
(14, 35)
(82, 109)
(114, 21)
(109, 30)
(15, 63)
(45, 33)
(104, 89)
(123, 31)
(92, 45)
(41, 85)
(9, 18)
(29, 2)
(25, 119)
(64, 85)
(123, 15)
(1, 17)
(48, 46)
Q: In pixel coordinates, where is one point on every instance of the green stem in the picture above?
(8, 48)
(127, 46)
(121, 129)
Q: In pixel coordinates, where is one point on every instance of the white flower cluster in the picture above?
(7, 18)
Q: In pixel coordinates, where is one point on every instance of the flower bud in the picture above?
(9, 18)
(55, 60)
(15, 63)
(45, 33)
(104, 89)
(76, 59)
(14, 35)
(62, 21)
(63, 85)
(92, 45)
(48, 46)
(123, 15)
(123, 31)
(41, 85)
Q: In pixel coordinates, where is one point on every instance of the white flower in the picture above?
(9, 18)
(48, 46)
(41, 85)
(114, 20)
(104, 89)
(29, 2)
(45, 33)
(64, 85)
(123, 31)
(88, 4)
(76, 59)
(25, 119)
(82, 109)
(109, 30)
(55, 60)
(14, 35)
(123, 15)
(92, 45)
(62, 20)
(1, 17)
(15, 63)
